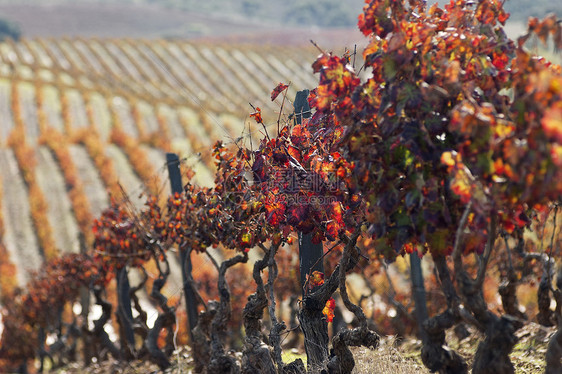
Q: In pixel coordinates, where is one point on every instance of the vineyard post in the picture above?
(418, 293)
(310, 254)
(313, 325)
(173, 162)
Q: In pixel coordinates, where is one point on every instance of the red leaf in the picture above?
(297, 214)
(258, 168)
(276, 212)
(277, 90)
(300, 136)
(332, 230)
(317, 237)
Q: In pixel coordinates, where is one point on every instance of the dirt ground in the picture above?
(391, 357)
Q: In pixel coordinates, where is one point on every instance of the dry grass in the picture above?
(386, 359)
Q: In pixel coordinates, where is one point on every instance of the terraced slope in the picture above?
(89, 117)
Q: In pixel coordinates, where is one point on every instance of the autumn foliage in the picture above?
(8, 281)
(454, 131)
(27, 161)
(95, 147)
(59, 145)
(138, 159)
(450, 145)
(57, 284)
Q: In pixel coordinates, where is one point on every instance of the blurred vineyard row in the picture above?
(83, 118)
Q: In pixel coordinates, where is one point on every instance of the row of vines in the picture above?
(221, 78)
(449, 150)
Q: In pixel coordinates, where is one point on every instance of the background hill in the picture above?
(239, 13)
(327, 13)
(330, 23)
(272, 21)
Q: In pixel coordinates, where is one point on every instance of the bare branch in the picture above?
(342, 275)
(215, 263)
(492, 232)
(548, 270)
(456, 248)
(277, 327)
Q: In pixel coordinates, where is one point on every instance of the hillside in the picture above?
(270, 23)
(326, 13)
(188, 18)
(151, 21)
(82, 115)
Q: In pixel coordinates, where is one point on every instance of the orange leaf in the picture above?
(552, 122)
(329, 309)
(257, 115)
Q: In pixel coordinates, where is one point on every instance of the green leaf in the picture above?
(402, 219)
(389, 69)
(408, 157)
(438, 240)
(484, 161)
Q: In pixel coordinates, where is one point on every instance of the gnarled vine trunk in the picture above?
(554, 351)
(508, 287)
(201, 345)
(165, 319)
(313, 323)
(125, 314)
(257, 358)
(553, 355)
(219, 361)
(99, 336)
(315, 330)
(342, 361)
(436, 356)
(545, 316)
(492, 355)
